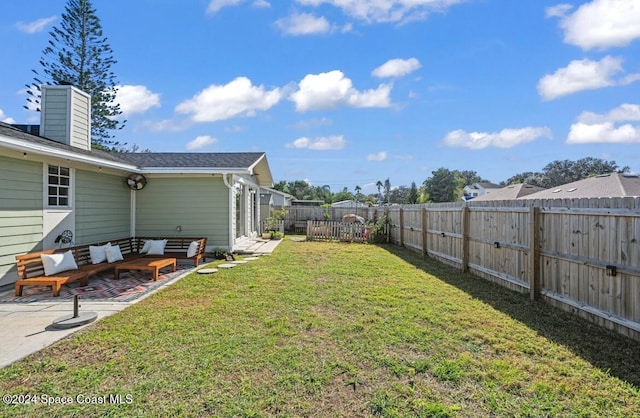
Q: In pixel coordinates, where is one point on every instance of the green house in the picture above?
(51, 181)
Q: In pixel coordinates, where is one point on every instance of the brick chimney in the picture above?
(65, 116)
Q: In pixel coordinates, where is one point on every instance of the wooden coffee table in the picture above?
(146, 264)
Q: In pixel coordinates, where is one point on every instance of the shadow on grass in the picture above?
(604, 349)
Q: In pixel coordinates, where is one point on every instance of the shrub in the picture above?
(379, 230)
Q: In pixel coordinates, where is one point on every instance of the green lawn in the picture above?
(320, 329)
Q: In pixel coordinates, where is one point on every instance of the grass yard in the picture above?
(321, 329)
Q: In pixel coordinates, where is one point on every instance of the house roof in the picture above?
(605, 185)
(229, 160)
(484, 185)
(17, 139)
(254, 163)
(513, 191)
(279, 192)
(348, 203)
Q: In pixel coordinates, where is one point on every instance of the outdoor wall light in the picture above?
(496, 244)
(611, 270)
(178, 228)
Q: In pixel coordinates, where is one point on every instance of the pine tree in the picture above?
(78, 54)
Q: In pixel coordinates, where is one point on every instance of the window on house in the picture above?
(59, 184)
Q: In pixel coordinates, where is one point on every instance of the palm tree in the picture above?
(379, 185)
(387, 189)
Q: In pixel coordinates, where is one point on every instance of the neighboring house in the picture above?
(513, 191)
(279, 198)
(479, 189)
(349, 204)
(266, 205)
(297, 202)
(56, 182)
(604, 185)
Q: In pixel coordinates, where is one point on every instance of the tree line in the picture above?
(447, 185)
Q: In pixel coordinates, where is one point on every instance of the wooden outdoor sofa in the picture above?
(31, 269)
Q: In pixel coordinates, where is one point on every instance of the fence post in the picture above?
(388, 226)
(401, 220)
(534, 252)
(425, 250)
(464, 265)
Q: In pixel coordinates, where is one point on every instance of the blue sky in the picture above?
(348, 92)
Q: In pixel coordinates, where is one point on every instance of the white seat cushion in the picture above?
(157, 247)
(97, 253)
(193, 249)
(57, 263)
(114, 254)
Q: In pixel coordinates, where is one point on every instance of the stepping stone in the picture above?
(226, 266)
(239, 262)
(207, 271)
(251, 258)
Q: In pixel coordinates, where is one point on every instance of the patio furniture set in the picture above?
(55, 267)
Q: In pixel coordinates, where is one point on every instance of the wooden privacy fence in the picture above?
(332, 231)
(582, 255)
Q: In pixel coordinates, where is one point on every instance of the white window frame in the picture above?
(58, 185)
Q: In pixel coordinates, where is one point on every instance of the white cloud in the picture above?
(602, 24)
(234, 129)
(379, 156)
(6, 119)
(506, 138)
(217, 5)
(324, 143)
(220, 102)
(201, 142)
(35, 26)
(583, 75)
(559, 10)
(166, 125)
(329, 90)
(601, 128)
(624, 112)
(261, 4)
(136, 99)
(607, 132)
(303, 24)
(380, 11)
(396, 68)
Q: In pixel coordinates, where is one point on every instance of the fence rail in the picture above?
(582, 255)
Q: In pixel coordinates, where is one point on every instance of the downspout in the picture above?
(132, 214)
(231, 206)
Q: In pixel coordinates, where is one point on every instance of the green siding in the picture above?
(102, 207)
(199, 205)
(20, 212)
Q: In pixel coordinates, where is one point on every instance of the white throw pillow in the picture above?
(145, 247)
(193, 249)
(56, 263)
(114, 254)
(157, 247)
(97, 253)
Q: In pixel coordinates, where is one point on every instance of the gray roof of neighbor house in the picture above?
(146, 161)
(605, 185)
(279, 192)
(513, 191)
(484, 184)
